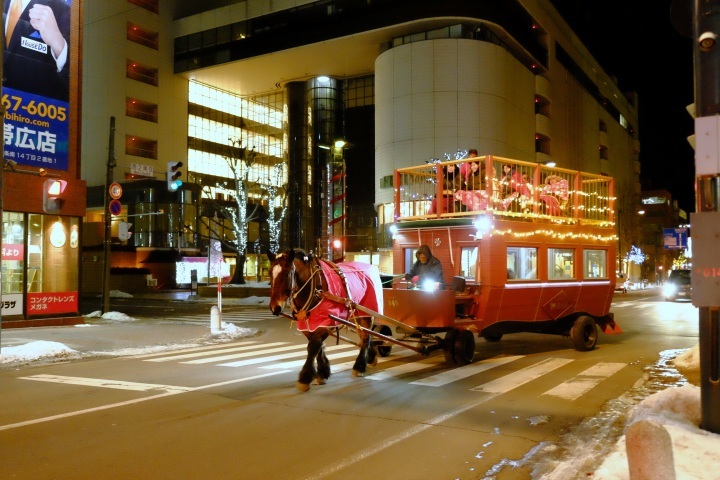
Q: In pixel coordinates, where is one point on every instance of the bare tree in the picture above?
(240, 160)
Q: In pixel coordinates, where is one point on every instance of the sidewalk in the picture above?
(118, 334)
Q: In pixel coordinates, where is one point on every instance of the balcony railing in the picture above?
(504, 188)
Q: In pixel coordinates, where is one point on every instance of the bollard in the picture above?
(215, 319)
(649, 451)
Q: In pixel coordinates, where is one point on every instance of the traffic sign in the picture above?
(115, 207)
(115, 190)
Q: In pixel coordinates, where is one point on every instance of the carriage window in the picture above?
(522, 263)
(595, 264)
(468, 262)
(561, 263)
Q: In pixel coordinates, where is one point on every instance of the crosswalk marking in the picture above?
(274, 358)
(407, 368)
(521, 377)
(244, 354)
(240, 316)
(105, 383)
(465, 371)
(245, 346)
(585, 381)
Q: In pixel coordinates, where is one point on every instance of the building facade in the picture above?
(43, 195)
(399, 82)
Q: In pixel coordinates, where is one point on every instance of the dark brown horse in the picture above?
(316, 289)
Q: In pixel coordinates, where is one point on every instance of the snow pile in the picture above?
(33, 351)
(678, 410)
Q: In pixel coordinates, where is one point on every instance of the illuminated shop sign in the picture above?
(36, 84)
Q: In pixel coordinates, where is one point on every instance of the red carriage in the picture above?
(537, 254)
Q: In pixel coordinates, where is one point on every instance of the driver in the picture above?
(426, 268)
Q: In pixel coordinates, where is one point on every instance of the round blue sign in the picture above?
(115, 207)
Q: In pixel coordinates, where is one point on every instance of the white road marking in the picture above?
(465, 371)
(137, 400)
(246, 346)
(585, 381)
(105, 383)
(275, 358)
(404, 368)
(186, 350)
(516, 379)
(245, 354)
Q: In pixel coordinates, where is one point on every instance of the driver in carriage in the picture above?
(427, 268)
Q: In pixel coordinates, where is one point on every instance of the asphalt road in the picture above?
(529, 404)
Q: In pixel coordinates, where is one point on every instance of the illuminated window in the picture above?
(468, 262)
(522, 263)
(561, 263)
(595, 262)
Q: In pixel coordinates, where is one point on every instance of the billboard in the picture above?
(36, 82)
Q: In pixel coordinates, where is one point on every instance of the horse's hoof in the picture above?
(319, 381)
(355, 373)
(303, 387)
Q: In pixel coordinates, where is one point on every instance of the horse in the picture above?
(317, 289)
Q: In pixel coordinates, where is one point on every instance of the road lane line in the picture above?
(132, 402)
(404, 368)
(582, 383)
(521, 377)
(466, 371)
(187, 350)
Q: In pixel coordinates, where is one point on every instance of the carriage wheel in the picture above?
(464, 347)
(584, 333)
(383, 350)
(449, 345)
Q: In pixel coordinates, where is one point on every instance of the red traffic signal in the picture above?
(52, 189)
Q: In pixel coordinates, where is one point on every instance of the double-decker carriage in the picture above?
(523, 248)
(527, 248)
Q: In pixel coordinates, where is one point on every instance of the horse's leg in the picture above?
(367, 351)
(323, 367)
(308, 372)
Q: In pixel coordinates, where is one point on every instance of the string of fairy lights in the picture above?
(592, 202)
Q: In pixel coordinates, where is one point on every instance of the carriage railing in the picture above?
(504, 188)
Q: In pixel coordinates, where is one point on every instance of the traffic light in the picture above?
(124, 232)
(173, 176)
(52, 189)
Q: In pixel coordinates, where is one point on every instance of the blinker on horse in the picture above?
(317, 289)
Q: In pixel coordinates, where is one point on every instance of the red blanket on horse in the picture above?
(364, 287)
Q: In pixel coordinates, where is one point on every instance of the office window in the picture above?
(142, 73)
(151, 5)
(140, 147)
(143, 110)
(138, 34)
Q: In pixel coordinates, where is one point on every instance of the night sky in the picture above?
(635, 41)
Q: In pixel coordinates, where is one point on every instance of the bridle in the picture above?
(294, 290)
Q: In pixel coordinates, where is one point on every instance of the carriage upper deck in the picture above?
(504, 188)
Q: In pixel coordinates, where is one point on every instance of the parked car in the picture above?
(678, 285)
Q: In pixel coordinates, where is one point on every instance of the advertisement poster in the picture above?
(36, 82)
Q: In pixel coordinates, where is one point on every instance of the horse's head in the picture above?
(281, 279)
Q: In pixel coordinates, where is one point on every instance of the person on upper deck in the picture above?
(426, 268)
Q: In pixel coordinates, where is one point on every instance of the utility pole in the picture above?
(705, 223)
(108, 220)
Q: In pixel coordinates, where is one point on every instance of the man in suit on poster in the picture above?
(37, 35)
